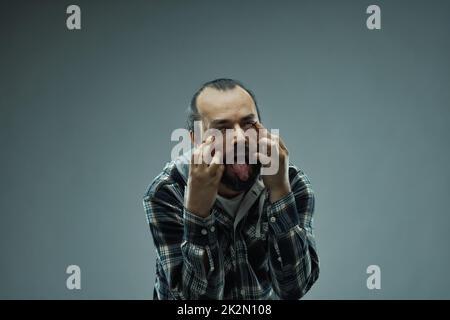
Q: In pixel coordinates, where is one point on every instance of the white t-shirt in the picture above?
(231, 205)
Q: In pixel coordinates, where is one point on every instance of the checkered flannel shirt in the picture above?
(206, 258)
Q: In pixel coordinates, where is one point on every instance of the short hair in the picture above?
(222, 84)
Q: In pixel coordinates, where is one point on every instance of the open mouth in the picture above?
(241, 170)
(240, 176)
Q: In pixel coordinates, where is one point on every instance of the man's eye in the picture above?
(249, 124)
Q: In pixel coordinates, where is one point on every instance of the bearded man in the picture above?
(225, 230)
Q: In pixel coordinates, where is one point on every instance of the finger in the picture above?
(200, 158)
(206, 153)
(269, 148)
(278, 140)
(266, 145)
(195, 156)
(262, 132)
(279, 143)
(208, 139)
(192, 156)
(258, 125)
(266, 134)
(282, 144)
(216, 161)
(263, 159)
(220, 170)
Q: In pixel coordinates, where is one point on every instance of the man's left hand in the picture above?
(277, 183)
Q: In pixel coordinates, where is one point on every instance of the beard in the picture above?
(241, 177)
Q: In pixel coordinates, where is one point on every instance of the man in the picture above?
(225, 230)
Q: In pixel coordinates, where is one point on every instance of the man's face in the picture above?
(231, 109)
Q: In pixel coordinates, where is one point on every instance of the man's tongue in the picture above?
(241, 170)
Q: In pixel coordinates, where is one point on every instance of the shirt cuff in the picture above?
(283, 214)
(198, 230)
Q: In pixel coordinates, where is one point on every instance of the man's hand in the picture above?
(278, 183)
(204, 178)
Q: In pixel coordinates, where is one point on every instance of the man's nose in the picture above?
(239, 136)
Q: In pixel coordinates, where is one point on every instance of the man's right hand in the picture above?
(204, 178)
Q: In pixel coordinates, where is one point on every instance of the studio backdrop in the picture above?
(360, 91)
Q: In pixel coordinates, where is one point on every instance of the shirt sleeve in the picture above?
(187, 248)
(293, 259)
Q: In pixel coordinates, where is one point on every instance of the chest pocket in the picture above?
(257, 246)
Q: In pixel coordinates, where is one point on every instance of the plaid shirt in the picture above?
(270, 253)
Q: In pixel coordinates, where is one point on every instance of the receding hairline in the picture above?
(220, 84)
(237, 87)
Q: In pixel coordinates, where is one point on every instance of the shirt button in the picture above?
(204, 231)
(212, 229)
(273, 219)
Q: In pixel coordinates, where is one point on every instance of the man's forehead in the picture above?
(213, 104)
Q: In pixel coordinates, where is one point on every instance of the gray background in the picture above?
(86, 118)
